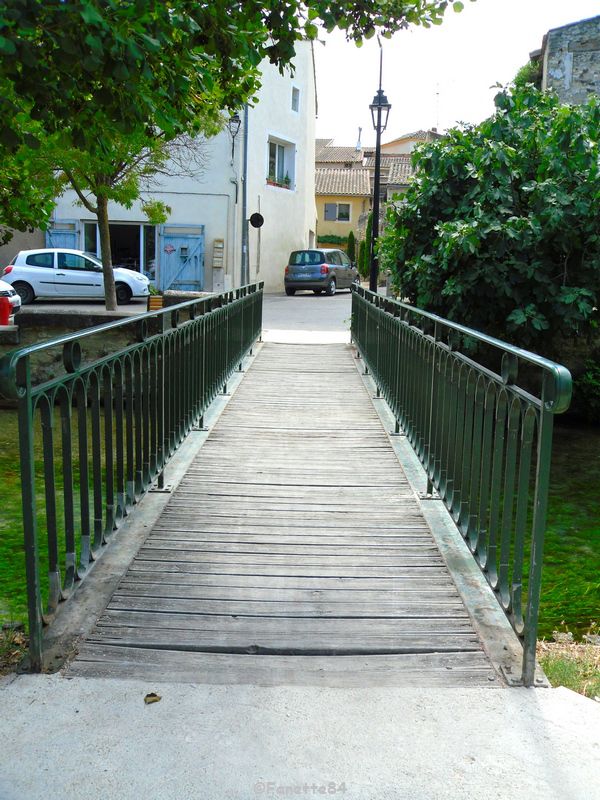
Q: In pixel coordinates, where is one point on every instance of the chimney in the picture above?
(358, 144)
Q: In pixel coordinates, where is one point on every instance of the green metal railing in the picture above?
(484, 440)
(96, 431)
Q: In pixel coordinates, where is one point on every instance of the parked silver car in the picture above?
(59, 272)
(320, 270)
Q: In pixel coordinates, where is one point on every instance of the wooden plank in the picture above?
(406, 670)
(291, 570)
(285, 643)
(293, 626)
(248, 608)
(357, 585)
(383, 597)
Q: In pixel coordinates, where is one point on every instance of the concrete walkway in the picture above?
(95, 738)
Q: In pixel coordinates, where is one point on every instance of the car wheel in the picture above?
(123, 293)
(290, 292)
(25, 292)
(317, 291)
(331, 286)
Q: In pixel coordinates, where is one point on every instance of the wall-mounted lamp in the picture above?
(234, 125)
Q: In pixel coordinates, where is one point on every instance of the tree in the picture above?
(128, 166)
(351, 247)
(500, 226)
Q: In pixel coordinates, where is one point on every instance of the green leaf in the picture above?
(91, 15)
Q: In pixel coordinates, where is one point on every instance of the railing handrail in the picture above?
(561, 376)
(10, 360)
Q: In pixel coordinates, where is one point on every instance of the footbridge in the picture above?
(352, 514)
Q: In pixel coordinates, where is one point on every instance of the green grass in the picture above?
(580, 675)
(571, 571)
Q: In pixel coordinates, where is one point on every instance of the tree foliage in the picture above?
(500, 229)
(85, 70)
(529, 73)
(98, 65)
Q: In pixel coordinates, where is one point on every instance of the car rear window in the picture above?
(40, 260)
(306, 257)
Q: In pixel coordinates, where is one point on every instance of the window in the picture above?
(73, 261)
(40, 260)
(89, 238)
(343, 212)
(281, 163)
(295, 99)
(276, 162)
(337, 212)
(306, 258)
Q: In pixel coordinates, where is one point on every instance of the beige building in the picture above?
(345, 177)
(342, 195)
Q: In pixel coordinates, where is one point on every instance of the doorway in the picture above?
(125, 246)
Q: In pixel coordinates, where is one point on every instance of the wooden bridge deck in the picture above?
(293, 552)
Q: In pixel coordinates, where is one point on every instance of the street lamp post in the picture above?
(380, 111)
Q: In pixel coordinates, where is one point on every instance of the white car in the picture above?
(6, 290)
(57, 272)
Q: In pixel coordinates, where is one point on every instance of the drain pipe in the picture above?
(245, 276)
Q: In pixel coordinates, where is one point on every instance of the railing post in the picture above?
(34, 599)
(540, 507)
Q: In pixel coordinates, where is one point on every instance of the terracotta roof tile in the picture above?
(401, 171)
(337, 155)
(356, 181)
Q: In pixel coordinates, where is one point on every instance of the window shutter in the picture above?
(330, 211)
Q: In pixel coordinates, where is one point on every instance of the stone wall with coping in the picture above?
(571, 60)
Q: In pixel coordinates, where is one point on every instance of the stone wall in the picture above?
(572, 60)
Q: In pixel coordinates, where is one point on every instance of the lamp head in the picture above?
(234, 124)
(380, 103)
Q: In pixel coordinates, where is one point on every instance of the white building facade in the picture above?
(268, 168)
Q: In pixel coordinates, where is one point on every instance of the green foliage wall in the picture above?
(500, 229)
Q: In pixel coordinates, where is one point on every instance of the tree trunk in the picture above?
(110, 296)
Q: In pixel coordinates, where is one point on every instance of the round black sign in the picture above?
(257, 220)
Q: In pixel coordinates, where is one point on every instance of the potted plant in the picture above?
(287, 181)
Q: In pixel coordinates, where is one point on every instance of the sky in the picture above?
(434, 77)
